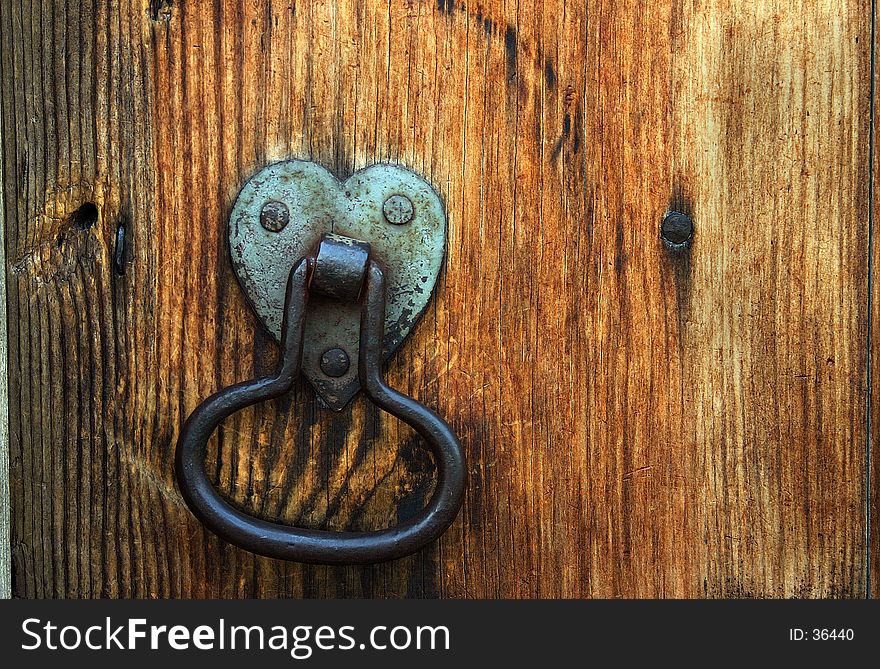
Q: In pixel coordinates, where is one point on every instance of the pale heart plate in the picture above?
(305, 201)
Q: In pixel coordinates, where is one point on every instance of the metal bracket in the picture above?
(280, 217)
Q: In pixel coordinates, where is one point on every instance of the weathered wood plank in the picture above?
(76, 148)
(639, 421)
(769, 150)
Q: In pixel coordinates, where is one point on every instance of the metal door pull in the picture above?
(340, 272)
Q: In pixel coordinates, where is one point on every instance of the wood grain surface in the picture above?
(873, 478)
(639, 421)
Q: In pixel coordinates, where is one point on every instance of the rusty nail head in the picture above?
(398, 210)
(274, 216)
(677, 229)
(335, 362)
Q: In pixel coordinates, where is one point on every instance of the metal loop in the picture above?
(340, 266)
(321, 546)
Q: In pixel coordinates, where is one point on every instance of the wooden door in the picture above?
(639, 421)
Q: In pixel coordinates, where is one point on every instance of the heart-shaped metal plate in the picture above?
(279, 217)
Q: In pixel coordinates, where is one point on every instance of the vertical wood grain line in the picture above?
(871, 490)
(5, 562)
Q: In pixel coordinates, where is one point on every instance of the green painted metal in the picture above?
(302, 201)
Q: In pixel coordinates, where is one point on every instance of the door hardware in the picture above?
(338, 273)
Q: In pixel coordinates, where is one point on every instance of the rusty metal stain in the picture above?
(318, 203)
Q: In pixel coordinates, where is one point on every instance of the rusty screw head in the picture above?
(335, 362)
(677, 229)
(274, 216)
(398, 210)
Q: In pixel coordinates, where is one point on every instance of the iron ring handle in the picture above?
(322, 546)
